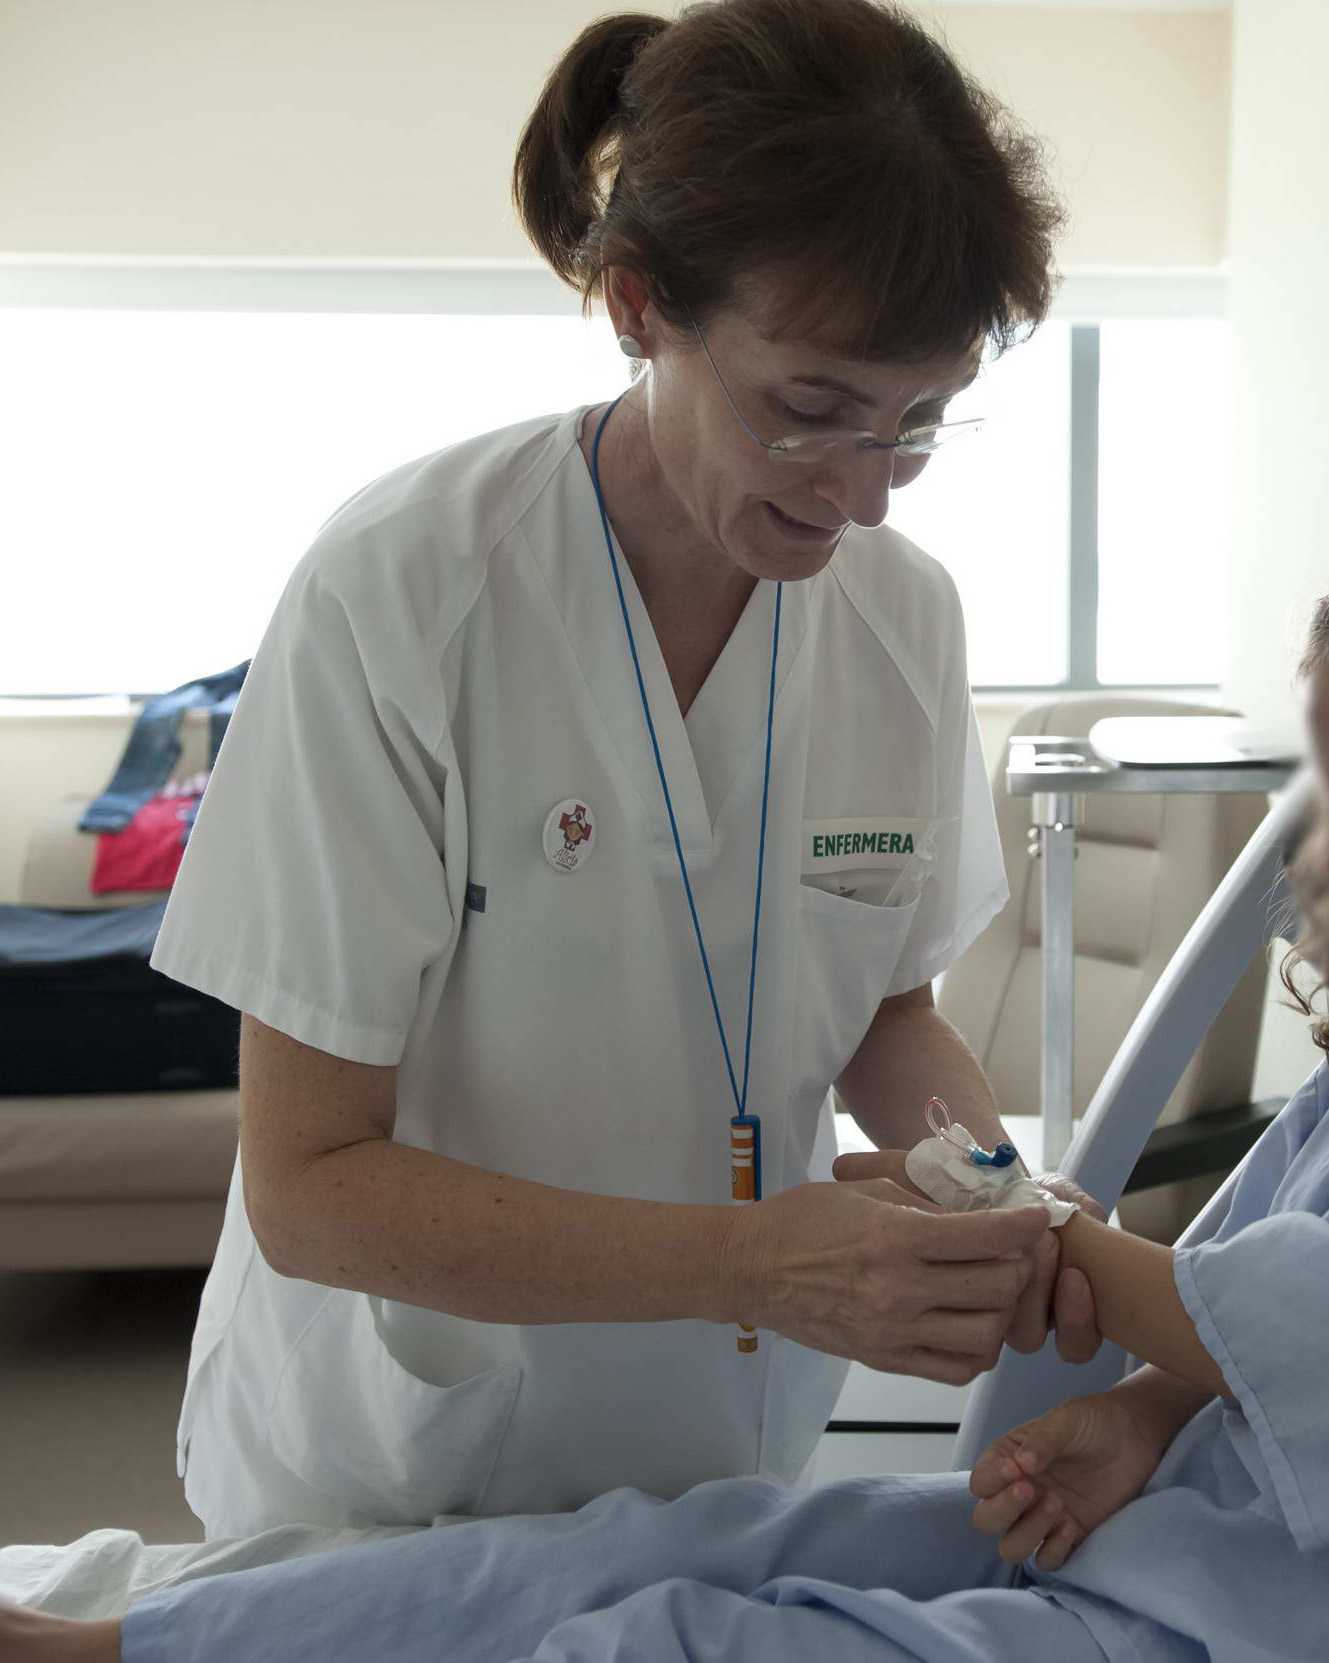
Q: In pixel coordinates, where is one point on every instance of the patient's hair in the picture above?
(823, 167)
(1308, 867)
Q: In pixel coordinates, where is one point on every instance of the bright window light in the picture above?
(165, 471)
(994, 509)
(1163, 448)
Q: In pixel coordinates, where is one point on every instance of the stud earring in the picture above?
(630, 346)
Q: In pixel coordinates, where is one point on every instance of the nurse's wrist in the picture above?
(740, 1284)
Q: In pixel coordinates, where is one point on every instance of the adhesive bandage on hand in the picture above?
(960, 1175)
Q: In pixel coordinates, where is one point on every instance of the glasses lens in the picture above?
(921, 441)
(822, 447)
(839, 447)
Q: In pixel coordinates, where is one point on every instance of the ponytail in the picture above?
(824, 165)
(571, 140)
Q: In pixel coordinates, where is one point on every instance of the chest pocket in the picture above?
(848, 950)
(879, 862)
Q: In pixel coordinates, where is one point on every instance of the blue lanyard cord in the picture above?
(740, 1100)
(761, 847)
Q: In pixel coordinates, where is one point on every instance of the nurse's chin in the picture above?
(785, 560)
(789, 568)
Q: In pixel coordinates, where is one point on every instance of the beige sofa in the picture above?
(118, 1179)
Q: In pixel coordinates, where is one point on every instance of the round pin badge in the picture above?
(569, 835)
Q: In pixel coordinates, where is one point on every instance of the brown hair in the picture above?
(830, 146)
(1308, 866)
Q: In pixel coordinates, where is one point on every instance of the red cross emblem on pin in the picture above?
(574, 826)
(569, 834)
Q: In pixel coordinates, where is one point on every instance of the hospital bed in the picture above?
(104, 1571)
(1250, 908)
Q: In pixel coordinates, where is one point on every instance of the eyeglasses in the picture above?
(832, 447)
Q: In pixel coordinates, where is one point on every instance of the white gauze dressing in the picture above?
(956, 1172)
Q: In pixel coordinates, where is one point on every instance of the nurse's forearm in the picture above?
(1136, 1299)
(911, 1053)
(420, 1229)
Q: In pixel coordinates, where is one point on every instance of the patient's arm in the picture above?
(1137, 1303)
(1044, 1486)
(1160, 1404)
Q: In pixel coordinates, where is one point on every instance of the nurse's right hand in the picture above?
(870, 1272)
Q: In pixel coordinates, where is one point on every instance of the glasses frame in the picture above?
(791, 447)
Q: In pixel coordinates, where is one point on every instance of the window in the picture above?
(1163, 445)
(994, 510)
(169, 461)
(165, 471)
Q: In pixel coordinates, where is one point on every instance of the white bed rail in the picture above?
(1243, 914)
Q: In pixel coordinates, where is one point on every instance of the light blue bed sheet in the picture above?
(1225, 1556)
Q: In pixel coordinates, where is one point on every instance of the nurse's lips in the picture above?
(801, 528)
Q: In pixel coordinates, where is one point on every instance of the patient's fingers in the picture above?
(995, 1468)
(1039, 1517)
(1058, 1548)
(998, 1514)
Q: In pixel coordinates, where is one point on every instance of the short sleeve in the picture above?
(1260, 1305)
(312, 890)
(968, 886)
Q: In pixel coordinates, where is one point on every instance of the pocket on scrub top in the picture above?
(802, 1389)
(349, 1420)
(848, 951)
(216, 1313)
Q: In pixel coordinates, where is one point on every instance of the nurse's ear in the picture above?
(627, 299)
(626, 290)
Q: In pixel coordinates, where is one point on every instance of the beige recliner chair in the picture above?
(1145, 867)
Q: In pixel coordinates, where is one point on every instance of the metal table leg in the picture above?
(1053, 840)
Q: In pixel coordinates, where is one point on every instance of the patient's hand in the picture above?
(1055, 1479)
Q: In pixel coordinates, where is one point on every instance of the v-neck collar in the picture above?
(725, 726)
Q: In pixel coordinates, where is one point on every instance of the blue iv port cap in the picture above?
(1003, 1155)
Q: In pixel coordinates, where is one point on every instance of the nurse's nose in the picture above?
(859, 488)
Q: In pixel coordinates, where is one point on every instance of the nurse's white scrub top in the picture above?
(367, 873)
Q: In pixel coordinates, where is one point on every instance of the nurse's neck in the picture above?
(693, 593)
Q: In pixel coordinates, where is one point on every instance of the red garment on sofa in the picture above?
(147, 853)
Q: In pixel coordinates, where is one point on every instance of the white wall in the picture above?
(1279, 280)
(385, 129)
(1133, 106)
(1278, 286)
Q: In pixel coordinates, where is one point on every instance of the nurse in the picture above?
(603, 790)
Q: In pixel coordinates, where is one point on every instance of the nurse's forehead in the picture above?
(940, 381)
(799, 363)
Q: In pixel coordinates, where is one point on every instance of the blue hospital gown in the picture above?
(1225, 1556)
